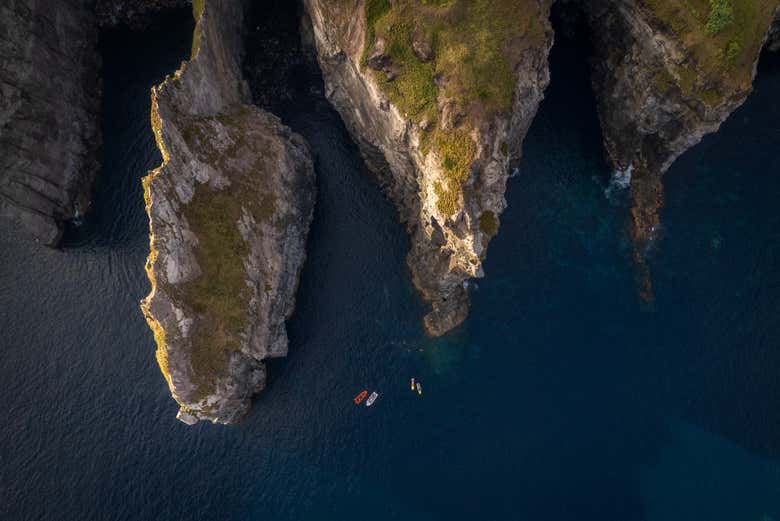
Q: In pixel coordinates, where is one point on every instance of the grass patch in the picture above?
(447, 197)
(220, 295)
(476, 45)
(488, 223)
(721, 16)
(198, 6)
(723, 37)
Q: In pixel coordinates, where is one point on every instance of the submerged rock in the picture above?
(229, 212)
(439, 97)
(49, 113)
(666, 74)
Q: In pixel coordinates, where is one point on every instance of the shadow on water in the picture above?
(559, 400)
(117, 217)
(355, 240)
(718, 278)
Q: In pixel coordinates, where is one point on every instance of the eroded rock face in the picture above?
(664, 76)
(229, 212)
(439, 98)
(49, 113)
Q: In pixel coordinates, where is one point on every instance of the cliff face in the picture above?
(666, 73)
(439, 97)
(49, 113)
(229, 211)
(50, 81)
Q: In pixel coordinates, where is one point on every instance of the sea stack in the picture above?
(229, 211)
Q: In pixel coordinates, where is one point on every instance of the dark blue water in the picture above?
(558, 400)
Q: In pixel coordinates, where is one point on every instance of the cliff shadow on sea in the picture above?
(356, 239)
(116, 217)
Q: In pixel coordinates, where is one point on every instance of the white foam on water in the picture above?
(619, 182)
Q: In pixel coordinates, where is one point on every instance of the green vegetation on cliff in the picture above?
(721, 16)
(447, 64)
(488, 223)
(723, 38)
(197, 11)
(220, 295)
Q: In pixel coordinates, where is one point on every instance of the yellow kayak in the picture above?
(412, 383)
(419, 388)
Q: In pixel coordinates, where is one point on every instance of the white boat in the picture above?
(371, 399)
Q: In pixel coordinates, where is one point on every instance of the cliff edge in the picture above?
(229, 211)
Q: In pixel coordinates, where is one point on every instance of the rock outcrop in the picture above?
(229, 212)
(665, 74)
(49, 113)
(439, 96)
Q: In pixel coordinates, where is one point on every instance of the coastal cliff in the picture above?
(665, 74)
(49, 113)
(439, 96)
(229, 211)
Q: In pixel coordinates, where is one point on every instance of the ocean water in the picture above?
(557, 400)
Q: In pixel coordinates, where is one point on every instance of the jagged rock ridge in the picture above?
(229, 211)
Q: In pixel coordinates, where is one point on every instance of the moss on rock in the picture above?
(723, 39)
(475, 46)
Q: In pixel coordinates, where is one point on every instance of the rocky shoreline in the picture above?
(439, 97)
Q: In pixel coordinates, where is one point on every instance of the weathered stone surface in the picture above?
(49, 113)
(229, 212)
(445, 162)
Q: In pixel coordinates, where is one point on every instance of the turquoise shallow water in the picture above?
(558, 399)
